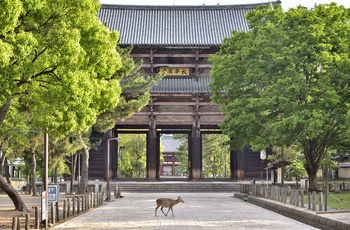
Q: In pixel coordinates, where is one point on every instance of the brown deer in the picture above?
(167, 203)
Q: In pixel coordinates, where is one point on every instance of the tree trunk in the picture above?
(84, 170)
(313, 183)
(2, 163)
(14, 196)
(4, 109)
(7, 173)
(33, 181)
(73, 170)
(55, 175)
(314, 150)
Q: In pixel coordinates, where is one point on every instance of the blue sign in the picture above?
(53, 192)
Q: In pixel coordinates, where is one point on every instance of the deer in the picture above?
(167, 203)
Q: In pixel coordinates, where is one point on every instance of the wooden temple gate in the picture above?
(177, 40)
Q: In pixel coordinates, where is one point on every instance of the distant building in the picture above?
(344, 171)
(170, 161)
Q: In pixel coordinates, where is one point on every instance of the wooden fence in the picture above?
(67, 207)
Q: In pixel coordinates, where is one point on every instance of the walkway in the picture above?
(201, 211)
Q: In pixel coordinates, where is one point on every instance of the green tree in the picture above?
(215, 156)
(133, 155)
(182, 154)
(58, 62)
(286, 81)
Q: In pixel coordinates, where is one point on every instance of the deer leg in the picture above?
(161, 209)
(155, 211)
(171, 210)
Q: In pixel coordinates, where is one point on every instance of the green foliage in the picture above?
(286, 81)
(182, 154)
(58, 59)
(294, 156)
(216, 156)
(132, 158)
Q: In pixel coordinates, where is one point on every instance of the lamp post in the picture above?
(108, 167)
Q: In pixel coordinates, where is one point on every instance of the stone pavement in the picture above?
(200, 211)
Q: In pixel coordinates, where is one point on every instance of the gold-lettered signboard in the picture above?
(171, 71)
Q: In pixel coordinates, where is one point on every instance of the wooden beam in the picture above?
(168, 55)
(179, 114)
(206, 66)
(185, 103)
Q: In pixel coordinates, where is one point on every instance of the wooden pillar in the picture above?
(152, 148)
(233, 165)
(114, 156)
(237, 165)
(195, 161)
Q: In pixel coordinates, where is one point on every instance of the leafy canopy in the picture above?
(58, 59)
(286, 80)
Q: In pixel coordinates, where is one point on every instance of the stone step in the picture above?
(179, 187)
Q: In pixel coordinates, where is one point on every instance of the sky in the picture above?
(286, 4)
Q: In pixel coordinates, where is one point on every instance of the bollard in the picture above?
(314, 201)
(73, 200)
(53, 214)
(68, 207)
(285, 195)
(78, 204)
(302, 199)
(57, 212)
(64, 209)
(36, 221)
(118, 193)
(26, 226)
(297, 198)
(86, 202)
(320, 201)
(82, 203)
(14, 222)
(309, 199)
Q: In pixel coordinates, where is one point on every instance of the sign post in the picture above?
(53, 193)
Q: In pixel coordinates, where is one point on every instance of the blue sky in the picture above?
(286, 4)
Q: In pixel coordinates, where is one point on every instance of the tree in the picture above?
(294, 156)
(286, 81)
(182, 154)
(58, 62)
(133, 156)
(215, 155)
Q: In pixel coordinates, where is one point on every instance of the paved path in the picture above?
(201, 211)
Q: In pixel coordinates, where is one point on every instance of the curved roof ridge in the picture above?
(186, 7)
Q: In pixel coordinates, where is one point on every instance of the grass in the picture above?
(339, 200)
(336, 200)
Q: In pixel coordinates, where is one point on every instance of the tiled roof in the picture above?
(170, 144)
(175, 25)
(182, 85)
